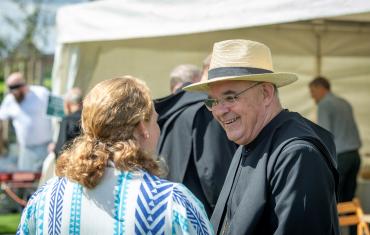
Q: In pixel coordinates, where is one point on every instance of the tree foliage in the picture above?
(27, 25)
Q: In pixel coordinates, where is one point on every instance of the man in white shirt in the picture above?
(26, 107)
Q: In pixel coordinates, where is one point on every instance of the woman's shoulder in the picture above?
(188, 213)
(178, 193)
(184, 197)
(156, 182)
(178, 189)
(150, 187)
(46, 190)
(52, 183)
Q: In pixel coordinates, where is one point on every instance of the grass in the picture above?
(9, 223)
(2, 89)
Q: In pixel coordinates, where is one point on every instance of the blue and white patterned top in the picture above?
(123, 203)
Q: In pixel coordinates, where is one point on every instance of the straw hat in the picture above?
(241, 60)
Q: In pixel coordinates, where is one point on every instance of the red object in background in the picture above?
(17, 180)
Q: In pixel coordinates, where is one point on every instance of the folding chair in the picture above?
(351, 213)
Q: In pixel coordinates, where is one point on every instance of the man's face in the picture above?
(243, 119)
(317, 93)
(17, 91)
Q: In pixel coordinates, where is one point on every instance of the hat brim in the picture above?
(279, 79)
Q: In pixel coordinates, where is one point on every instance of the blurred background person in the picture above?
(26, 107)
(183, 75)
(193, 144)
(70, 126)
(110, 172)
(335, 115)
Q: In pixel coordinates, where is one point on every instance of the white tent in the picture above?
(147, 38)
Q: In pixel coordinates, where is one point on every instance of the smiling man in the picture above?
(283, 178)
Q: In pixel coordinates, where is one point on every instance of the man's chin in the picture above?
(19, 99)
(233, 138)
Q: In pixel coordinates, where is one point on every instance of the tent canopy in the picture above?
(128, 19)
(147, 38)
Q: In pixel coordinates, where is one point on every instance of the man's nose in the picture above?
(220, 109)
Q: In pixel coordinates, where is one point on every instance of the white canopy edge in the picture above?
(128, 19)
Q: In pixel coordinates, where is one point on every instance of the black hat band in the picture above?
(235, 71)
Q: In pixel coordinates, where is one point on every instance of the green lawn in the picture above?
(2, 89)
(9, 223)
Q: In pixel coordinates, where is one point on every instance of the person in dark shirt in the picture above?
(193, 144)
(283, 177)
(70, 126)
(69, 129)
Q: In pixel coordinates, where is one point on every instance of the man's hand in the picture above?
(51, 147)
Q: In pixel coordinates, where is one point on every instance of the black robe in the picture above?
(284, 182)
(194, 145)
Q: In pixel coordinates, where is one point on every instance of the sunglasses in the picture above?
(15, 86)
(228, 100)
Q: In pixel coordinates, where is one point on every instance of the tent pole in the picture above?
(318, 54)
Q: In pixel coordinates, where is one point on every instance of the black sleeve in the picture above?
(303, 192)
(62, 137)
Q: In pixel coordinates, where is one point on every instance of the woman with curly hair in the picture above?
(108, 179)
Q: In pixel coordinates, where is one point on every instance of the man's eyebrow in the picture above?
(229, 92)
(225, 93)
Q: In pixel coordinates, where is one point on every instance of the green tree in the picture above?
(24, 55)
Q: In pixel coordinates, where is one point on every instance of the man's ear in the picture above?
(268, 92)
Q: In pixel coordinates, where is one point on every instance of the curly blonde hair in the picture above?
(111, 111)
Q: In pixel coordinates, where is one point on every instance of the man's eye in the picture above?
(229, 99)
(210, 102)
(213, 102)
